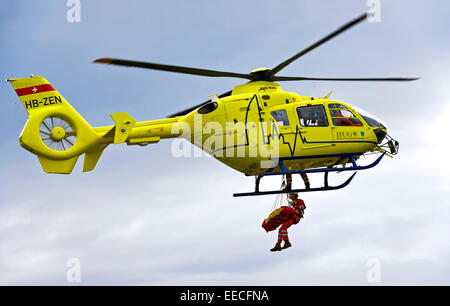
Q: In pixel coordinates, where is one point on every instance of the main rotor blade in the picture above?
(178, 69)
(188, 110)
(282, 78)
(317, 44)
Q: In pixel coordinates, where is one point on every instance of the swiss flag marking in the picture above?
(34, 89)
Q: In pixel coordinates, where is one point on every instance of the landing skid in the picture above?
(325, 187)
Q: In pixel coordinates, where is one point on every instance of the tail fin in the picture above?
(55, 132)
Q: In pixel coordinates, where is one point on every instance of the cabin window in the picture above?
(312, 115)
(207, 108)
(342, 116)
(280, 117)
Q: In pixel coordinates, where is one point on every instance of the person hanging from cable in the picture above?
(289, 181)
(299, 206)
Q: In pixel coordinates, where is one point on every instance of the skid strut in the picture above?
(325, 171)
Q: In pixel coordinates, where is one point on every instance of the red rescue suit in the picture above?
(289, 180)
(342, 121)
(300, 206)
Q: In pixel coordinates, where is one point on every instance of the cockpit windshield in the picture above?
(371, 120)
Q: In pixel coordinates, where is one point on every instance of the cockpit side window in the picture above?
(280, 117)
(342, 116)
(312, 115)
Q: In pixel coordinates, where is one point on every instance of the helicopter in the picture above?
(256, 128)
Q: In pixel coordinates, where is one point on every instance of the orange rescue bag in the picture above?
(278, 217)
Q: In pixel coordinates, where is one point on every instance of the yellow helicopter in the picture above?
(256, 128)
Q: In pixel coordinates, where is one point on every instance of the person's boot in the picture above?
(286, 245)
(276, 248)
(287, 188)
(308, 186)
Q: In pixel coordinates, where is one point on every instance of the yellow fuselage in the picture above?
(242, 132)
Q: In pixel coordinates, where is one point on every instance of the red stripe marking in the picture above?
(34, 89)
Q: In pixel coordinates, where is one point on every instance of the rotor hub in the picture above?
(260, 70)
(58, 133)
(261, 74)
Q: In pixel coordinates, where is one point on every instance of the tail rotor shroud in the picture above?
(57, 134)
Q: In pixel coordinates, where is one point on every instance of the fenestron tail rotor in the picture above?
(57, 134)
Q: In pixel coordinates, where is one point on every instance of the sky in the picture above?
(145, 217)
